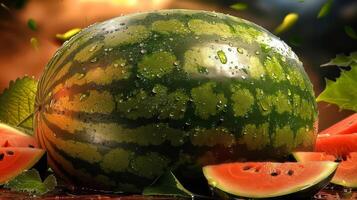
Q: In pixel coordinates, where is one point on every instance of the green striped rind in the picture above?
(137, 95)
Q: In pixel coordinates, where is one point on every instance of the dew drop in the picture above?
(92, 48)
(80, 76)
(93, 60)
(83, 96)
(222, 56)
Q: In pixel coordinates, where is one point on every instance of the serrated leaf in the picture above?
(67, 35)
(288, 21)
(325, 9)
(30, 181)
(17, 103)
(350, 32)
(167, 185)
(343, 92)
(32, 24)
(239, 6)
(342, 60)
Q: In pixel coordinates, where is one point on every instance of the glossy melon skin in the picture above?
(128, 98)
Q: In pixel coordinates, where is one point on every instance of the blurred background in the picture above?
(323, 29)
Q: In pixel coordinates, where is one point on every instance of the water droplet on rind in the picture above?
(240, 50)
(222, 57)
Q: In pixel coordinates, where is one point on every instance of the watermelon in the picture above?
(337, 145)
(269, 179)
(345, 126)
(346, 174)
(14, 160)
(129, 98)
(14, 138)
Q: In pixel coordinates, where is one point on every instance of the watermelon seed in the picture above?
(2, 156)
(10, 153)
(257, 169)
(275, 173)
(245, 168)
(290, 172)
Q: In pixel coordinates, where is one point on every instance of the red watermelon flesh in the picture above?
(345, 126)
(337, 145)
(346, 174)
(11, 137)
(268, 179)
(14, 160)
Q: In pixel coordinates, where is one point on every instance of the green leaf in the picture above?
(32, 24)
(67, 35)
(351, 32)
(34, 43)
(167, 185)
(342, 60)
(325, 9)
(288, 22)
(17, 103)
(343, 92)
(30, 181)
(239, 6)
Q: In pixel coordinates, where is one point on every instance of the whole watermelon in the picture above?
(132, 97)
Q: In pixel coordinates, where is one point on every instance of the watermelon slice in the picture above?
(345, 126)
(14, 160)
(337, 145)
(269, 179)
(10, 137)
(346, 174)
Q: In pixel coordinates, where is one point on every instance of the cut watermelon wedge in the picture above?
(14, 160)
(345, 126)
(337, 145)
(346, 174)
(268, 179)
(11, 137)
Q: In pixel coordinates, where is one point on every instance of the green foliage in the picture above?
(288, 22)
(239, 6)
(342, 60)
(343, 92)
(17, 103)
(67, 35)
(34, 43)
(325, 9)
(30, 181)
(167, 184)
(32, 24)
(351, 32)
